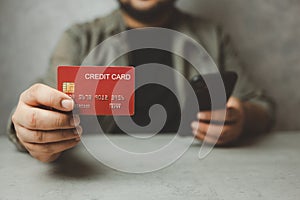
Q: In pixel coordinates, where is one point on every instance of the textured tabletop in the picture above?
(266, 169)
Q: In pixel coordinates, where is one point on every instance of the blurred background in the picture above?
(265, 34)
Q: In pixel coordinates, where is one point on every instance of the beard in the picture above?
(151, 15)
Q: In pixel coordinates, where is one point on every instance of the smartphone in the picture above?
(200, 88)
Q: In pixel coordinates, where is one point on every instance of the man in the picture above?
(45, 133)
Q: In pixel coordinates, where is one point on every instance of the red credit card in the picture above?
(99, 90)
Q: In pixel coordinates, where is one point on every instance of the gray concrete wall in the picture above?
(265, 33)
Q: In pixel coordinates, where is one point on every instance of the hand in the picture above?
(44, 124)
(213, 129)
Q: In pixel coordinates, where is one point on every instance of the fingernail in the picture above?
(78, 130)
(67, 104)
(200, 115)
(194, 132)
(75, 120)
(194, 125)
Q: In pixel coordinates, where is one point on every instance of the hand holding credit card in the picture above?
(99, 90)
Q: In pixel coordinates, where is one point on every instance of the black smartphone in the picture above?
(198, 83)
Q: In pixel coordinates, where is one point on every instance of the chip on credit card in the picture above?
(99, 90)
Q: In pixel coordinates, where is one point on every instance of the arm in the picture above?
(35, 128)
(249, 112)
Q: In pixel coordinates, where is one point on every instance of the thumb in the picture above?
(43, 95)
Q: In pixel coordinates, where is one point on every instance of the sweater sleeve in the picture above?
(246, 89)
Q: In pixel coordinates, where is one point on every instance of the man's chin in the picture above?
(147, 13)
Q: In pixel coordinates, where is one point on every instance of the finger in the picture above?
(211, 130)
(40, 119)
(216, 115)
(233, 102)
(207, 139)
(42, 95)
(204, 138)
(212, 135)
(51, 148)
(46, 158)
(228, 115)
(42, 137)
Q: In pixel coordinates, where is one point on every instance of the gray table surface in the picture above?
(266, 169)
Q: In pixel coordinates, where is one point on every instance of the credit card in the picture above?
(99, 90)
